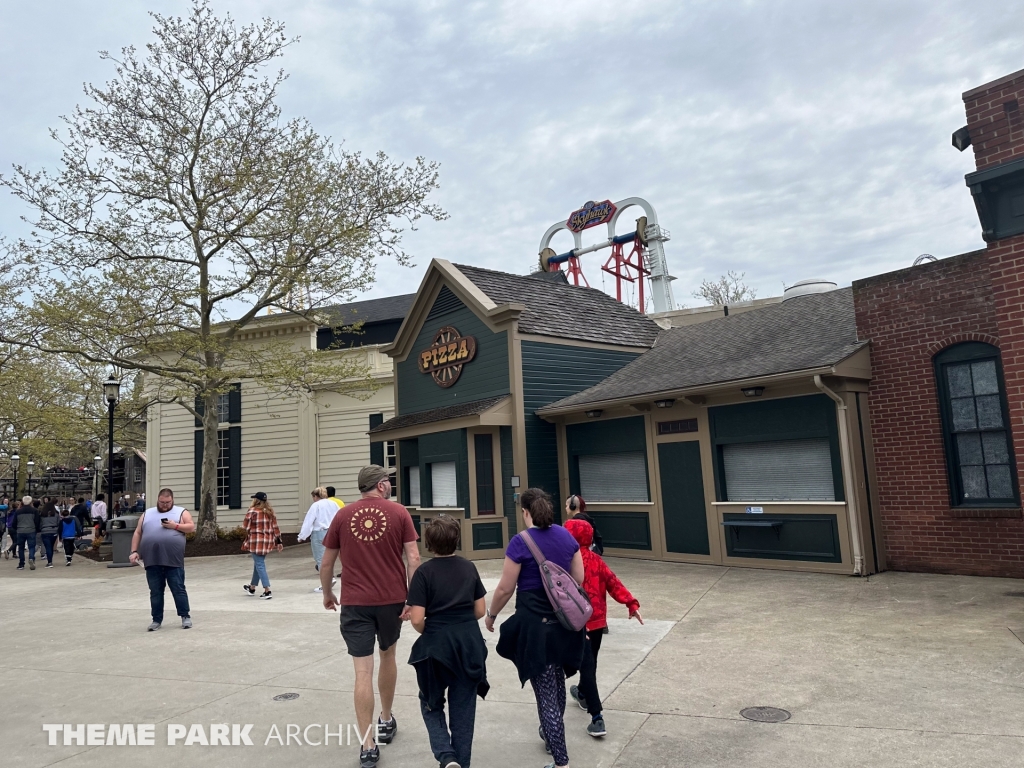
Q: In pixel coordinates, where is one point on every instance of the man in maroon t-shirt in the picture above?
(371, 535)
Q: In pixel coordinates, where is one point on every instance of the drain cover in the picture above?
(765, 714)
(290, 696)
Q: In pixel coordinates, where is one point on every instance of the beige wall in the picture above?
(343, 447)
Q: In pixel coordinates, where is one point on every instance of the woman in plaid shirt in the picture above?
(262, 536)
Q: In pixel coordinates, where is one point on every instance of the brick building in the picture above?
(947, 356)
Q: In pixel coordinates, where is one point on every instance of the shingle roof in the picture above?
(554, 308)
(371, 310)
(802, 333)
(456, 411)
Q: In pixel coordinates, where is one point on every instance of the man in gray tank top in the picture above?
(159, 543)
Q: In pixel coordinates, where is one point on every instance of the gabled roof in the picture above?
(804, 333)
(371, 310)
(555, 308)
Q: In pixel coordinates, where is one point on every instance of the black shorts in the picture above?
(360, 624)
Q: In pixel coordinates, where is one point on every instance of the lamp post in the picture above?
(31, 465)
(15, 463)
(111, 390)
(97, 465)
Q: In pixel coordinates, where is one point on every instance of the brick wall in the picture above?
(995, 120)
(909, 316)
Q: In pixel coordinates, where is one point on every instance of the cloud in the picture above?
(787, 139)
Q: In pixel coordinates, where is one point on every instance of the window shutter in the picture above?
(198, 468)
(234, 467)
(613, 477)
(414, 487)
(783, 470)
(443, 485)
(235, 405)
(200, 409)
(376, 447)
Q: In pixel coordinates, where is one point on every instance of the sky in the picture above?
(786, 140)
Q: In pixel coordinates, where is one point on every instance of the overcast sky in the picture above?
(785, 139)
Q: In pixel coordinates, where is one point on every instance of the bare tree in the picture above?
(728, 289)
(184, 207)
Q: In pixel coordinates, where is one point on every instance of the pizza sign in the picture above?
(446, 356)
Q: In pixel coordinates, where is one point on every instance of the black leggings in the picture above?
(69, 549)
(588, 672)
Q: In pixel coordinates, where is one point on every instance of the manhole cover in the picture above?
(765, 714)
(290, 696)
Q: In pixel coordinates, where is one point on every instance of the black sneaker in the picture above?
(540, 732)
(386, 731)
(368, 757)
(574, 691)
(596, 727)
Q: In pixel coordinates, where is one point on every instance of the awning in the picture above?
(492, 411)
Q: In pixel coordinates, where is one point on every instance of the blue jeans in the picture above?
(158, 576)
(26, 540)
(457, 744)
(316, 541)
(259, 571)
(48, 541)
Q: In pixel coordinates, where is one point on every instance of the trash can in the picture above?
(120, 531)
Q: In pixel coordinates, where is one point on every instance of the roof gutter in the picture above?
(851, 492)
(826, 370)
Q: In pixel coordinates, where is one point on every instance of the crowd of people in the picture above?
(383, 585)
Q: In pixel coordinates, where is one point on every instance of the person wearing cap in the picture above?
(159, 545)
(318, 520)
(262, 536)
(371, 535)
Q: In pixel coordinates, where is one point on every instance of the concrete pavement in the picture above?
(895, 670)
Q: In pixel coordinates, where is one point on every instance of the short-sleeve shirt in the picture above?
(371, 535)
(446, 585)
(555, 542)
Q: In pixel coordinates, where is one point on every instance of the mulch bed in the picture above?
(193, 548)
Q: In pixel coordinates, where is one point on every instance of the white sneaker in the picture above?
(333, 581)
(319, 589)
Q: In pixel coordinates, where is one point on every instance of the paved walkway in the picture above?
(896, 670)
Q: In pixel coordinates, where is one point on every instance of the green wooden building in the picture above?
(739, 440)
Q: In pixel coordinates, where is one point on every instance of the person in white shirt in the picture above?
(314, 527)
(99, 513)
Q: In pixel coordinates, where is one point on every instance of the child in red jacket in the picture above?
(598, 580)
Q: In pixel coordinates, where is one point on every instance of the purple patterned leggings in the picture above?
(549, 688)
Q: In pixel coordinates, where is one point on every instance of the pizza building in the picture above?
(694, 436)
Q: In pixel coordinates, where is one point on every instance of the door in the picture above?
(682, 498)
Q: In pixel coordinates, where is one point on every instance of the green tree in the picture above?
(185, 198)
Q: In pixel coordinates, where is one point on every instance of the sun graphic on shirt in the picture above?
(368, 524)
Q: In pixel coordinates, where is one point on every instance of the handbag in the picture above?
(569, 600)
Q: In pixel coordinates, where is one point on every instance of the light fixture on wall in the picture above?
(664, 403)
(753, 391)
(594, 413)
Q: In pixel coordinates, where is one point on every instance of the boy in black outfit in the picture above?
(447, 601)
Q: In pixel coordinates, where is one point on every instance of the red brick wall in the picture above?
(909, 316)
(996, 121)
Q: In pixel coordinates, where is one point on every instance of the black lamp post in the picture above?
(31, 465)
(111, 390)
(97, 465)
(15, 463)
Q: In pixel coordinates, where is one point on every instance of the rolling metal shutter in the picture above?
(442, 484)
(613, 477)
(784, 470)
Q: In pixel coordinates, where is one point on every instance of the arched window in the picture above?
(979, 452)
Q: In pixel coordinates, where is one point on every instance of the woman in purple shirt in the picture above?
(543, 651)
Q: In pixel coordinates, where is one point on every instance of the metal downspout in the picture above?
(851, 492)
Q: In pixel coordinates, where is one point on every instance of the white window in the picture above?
(414, 487)
(614, 477)
(783, 470)
(442, 484)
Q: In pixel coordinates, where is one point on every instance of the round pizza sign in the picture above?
(446, 356)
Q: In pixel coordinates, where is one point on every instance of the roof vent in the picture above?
(807, 287)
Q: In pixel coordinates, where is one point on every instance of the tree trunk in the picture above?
(206, 525)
